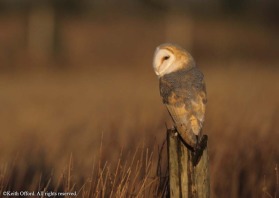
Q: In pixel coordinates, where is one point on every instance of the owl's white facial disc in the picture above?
(162, 62)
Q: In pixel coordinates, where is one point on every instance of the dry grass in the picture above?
(98, 131)
(115, 123)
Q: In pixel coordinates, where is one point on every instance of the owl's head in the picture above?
(169, 58)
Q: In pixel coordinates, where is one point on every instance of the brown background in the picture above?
(77, 88)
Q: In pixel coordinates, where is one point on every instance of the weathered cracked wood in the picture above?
(186, 180)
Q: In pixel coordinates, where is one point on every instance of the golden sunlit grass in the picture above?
(99, 133)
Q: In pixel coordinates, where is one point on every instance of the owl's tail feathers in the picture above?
(187, 135)
(192, 142)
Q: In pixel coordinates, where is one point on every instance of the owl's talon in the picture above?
(173, 128)
(198, 150)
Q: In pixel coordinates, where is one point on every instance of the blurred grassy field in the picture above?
(59, 122)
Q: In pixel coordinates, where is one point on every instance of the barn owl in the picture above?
(182, 89)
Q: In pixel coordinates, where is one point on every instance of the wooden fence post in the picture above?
(186, 180)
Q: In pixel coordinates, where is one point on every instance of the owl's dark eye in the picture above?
(165, 58)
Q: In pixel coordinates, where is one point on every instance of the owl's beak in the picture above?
(156, 69)
(157, 72)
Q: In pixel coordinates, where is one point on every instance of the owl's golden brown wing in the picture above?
(184, 95)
